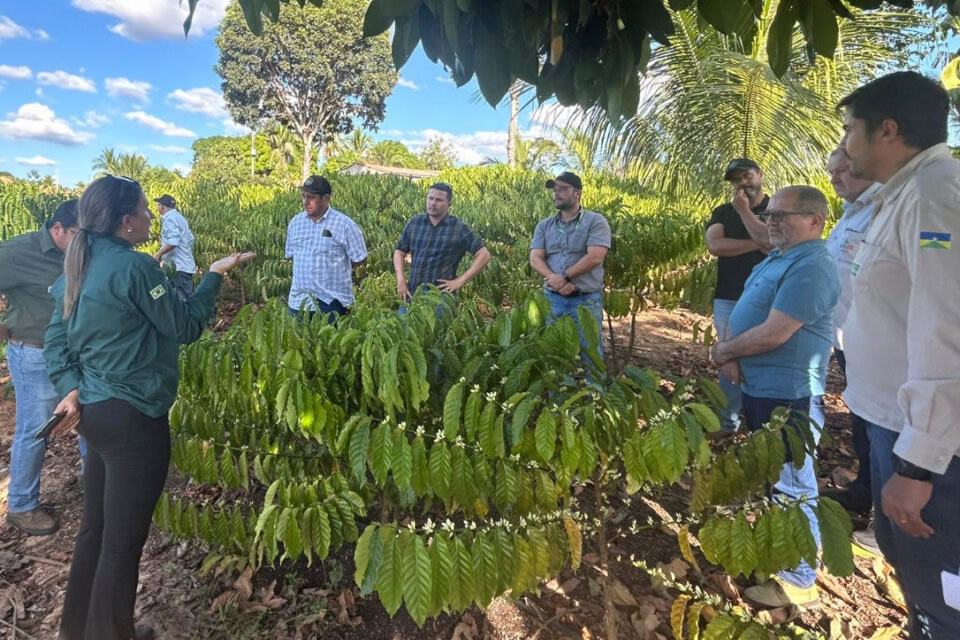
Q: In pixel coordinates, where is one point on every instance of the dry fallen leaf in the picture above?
(780, 615)
(725, 584)
(620, 594)
(886, 633)
(223, 600)
(244, 584)
(569, 586)
(887, 583)
(677, 567)
(466, 629)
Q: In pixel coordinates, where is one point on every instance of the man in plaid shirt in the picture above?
(325, 246)
(437, 242)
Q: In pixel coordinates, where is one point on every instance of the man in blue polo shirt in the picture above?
(782, 328)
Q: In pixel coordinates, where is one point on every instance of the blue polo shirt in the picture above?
(803, 284)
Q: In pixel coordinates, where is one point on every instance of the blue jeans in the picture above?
(731, 415)
(567, 306)
(333, 308)
(36, 400)
(793, 483)
(859, 489)
(919, 561)
(182, 283)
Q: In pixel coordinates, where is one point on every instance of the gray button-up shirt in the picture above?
(566, 242)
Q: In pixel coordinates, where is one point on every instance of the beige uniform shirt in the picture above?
(902, 336)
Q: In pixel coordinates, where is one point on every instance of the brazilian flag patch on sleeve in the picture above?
(934, 240)
(157, 292)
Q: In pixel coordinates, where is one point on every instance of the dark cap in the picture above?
(318, 185)
(567, 177)
(739, 164)
(166, 200)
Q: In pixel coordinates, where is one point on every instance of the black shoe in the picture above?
(852, 501)
(143, 632)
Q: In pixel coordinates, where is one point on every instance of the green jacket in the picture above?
(121, 341)
(29, 264)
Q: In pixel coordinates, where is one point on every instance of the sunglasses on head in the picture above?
(124, 181)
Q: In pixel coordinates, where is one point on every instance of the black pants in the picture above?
(127, 459)
(859, 489)
(182, 284)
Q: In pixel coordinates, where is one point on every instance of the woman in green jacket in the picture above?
(111, 351)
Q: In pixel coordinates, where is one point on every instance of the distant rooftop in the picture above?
(362, 168)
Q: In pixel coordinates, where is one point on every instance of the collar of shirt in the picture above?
(577, 218)
(443, 221)
(863, 200)
(46, 240)
(895, 185)
(797, 251)
(323, 218)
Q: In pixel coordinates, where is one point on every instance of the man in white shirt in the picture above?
(325, 246)
(843, 243)
(902, 338)
(177, 246)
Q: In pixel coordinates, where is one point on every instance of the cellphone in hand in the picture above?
(49, 425)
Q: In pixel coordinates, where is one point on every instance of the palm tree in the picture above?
(580, 149)
(709, 97)
(105, 163)
(284, 151)
(131, 165)
(536, 153)
(357, 143)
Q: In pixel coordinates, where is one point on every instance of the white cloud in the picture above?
(39, 92)
(17, 73)
(553, 115)
(91, 119)
(37, 161)
(409, 84)
(157, 19)
(10, 29)
(470, 148)
(40, 34)
(66, 80)
(170, 148)
(445, 79)
(233, 128)
(125, 88)
(200, 100)
(164, 127)
(184, 169)
(35, 121)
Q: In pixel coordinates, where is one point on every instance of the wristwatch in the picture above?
(563, 272)
(909, 470)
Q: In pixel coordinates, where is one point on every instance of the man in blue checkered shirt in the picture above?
(437, 241)
(325, 246)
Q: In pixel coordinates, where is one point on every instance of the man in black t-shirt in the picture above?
(740, 241)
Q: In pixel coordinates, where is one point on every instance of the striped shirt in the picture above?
(436, 249)
(323, 252)
(176, 232)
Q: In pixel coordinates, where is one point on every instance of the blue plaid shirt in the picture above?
(436, 249)
(323, 252)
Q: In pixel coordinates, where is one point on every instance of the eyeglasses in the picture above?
(778, 216)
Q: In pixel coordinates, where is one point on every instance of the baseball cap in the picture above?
(318, 185)
(567, 177)
(738, 164)
(166, 200)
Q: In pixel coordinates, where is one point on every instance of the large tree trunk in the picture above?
(307, 138)
(512, 132)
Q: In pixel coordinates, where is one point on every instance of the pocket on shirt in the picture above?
(864, 262)
(760, 291)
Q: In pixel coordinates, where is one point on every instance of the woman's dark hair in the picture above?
(920, 107)
(66, 215)
(99, 212)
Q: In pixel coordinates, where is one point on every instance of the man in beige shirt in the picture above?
(902, 338)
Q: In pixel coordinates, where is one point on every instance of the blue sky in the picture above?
(78, 76)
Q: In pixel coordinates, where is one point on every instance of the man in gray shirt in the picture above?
(568, 250)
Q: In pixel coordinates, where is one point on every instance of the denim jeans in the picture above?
(333, 308)
(36, 400)
(919, 561)
(730, 416)
(793, 483)
(567, 306)
(859, 489)
(182, 284)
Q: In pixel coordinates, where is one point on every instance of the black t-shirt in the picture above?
(732, 272)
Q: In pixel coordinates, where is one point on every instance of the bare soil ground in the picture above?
(302, 603)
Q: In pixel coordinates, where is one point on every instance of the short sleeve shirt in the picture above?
(323, 254)
(733, 271)
(565, 243)
(175, 231)
(436, 250)
(803, 284)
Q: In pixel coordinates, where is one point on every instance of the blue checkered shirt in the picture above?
(323, 252)
(436, 250)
